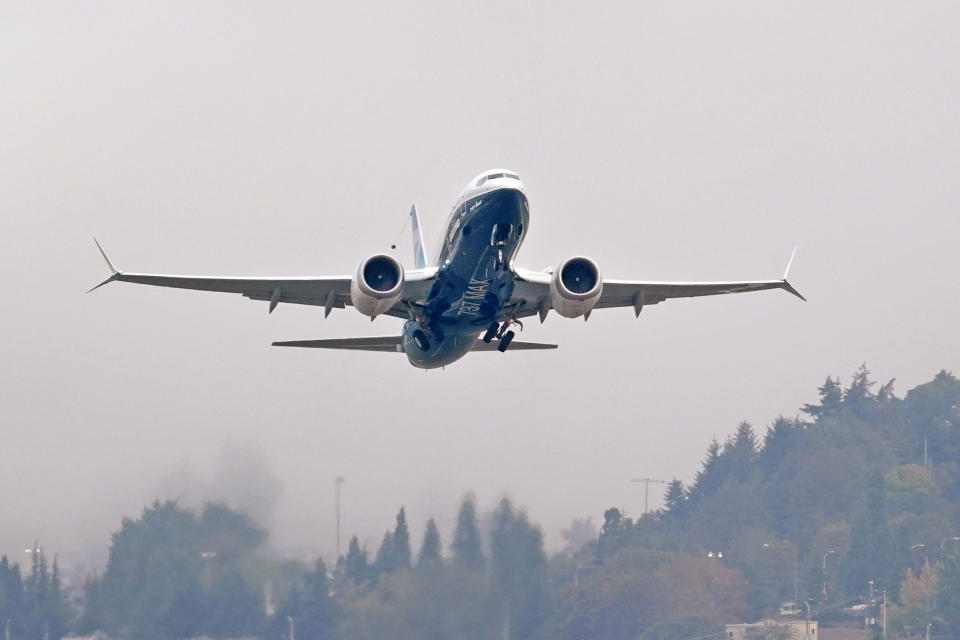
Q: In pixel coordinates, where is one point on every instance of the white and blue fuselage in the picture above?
(475, 270)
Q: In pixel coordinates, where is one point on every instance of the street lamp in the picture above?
(944, 541)
(796, 568)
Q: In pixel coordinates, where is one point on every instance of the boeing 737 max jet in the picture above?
(469, 296)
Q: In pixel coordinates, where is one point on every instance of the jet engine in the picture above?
(575, 287)
(377, 285)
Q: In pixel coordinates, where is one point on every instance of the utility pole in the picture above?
(646, 489)
(339, 481)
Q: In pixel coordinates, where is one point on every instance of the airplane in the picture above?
(471, 294)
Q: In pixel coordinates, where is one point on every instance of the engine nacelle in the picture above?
(575, 287)
(377, 285)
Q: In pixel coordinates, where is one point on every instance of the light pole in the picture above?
(944, 541)
(337, 482)
(646, 489)
(829, 551)
(796, 568)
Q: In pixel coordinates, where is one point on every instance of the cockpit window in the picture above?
(494, 176)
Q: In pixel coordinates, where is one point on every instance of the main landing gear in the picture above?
(420, 337)
(502, 333)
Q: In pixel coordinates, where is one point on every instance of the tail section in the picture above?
(419, 251)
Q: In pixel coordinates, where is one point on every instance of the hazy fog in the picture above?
(665, 140)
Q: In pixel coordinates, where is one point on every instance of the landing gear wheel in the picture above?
(505, 341)
(423, 342)
(491, 332)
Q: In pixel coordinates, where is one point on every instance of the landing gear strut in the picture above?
(503, 333)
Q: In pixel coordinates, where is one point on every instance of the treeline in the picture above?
(858, 497)
(33, 607)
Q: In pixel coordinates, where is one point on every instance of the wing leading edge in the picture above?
(532, 291)
(329, 292)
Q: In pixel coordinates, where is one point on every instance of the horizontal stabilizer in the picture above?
(376, 343)
(394, 344)
(514, 346)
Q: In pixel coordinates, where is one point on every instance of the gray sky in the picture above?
(665, 140)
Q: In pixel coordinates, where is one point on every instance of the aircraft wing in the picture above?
(531, 293)
(325, 291)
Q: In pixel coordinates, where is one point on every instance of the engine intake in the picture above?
(575, 287)
(377, 285)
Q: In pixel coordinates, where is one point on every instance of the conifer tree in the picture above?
(675, 500)
(831, 399)
(519, 568)
(383, 563)
(430, 549)
(401, 542)
(740, 453)
(466, 539)
(313, 611)
(708, 479)
(357, 569)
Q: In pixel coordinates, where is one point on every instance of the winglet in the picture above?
(790, 261)
(114, 271)
(419, 252)
(786, 285)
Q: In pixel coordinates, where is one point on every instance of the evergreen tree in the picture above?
(872, 551)
(430, 549)
(519, 568)
(384, 562)
(740, 453)
(831, 399)
(710, 477)
(313, 612)
(92, 618)
(782, 438)
(948, 593)
(401, 542)
(675, 500)
(11, 597)
(357, 569)
(466, 539)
